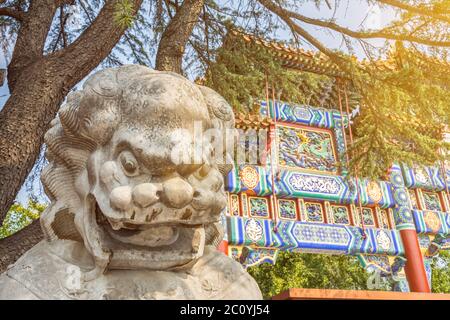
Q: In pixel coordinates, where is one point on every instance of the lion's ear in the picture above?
(226, 167)
(218, 107)
(222, 116)
(68, 114)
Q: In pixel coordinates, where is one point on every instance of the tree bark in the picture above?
(31, 37)
(2, 76)
(38, 85)
(12, 247)
(174, 38)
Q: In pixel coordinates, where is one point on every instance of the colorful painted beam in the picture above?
(312, 237)
(315, 186)
(256, 180)
(376, 193)
(428, 178)
(432, 222)
(301, 114)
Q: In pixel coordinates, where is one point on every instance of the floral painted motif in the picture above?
(301, 113)
(367, 216)
(244, 205)
(422, 176)
(306, 149)
(253, 230)
(234, 205)
(259, 207)
(374, 191)
(383, 240)
(432, 221)
(424, 241)
(249, 177)
(384, 220)
(340, 214)
(413, 198)
(432, 201)
(314, 212)
(287, 209)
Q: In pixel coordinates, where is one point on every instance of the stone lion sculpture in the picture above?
(126, 221)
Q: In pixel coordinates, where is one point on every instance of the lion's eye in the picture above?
(129, 163)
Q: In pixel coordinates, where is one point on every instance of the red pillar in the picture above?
(414, 268)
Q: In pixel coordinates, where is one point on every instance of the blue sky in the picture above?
(353, 14)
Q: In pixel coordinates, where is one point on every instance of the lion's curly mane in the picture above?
(88, 120)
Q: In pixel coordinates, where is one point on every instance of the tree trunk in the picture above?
(12, 247)
(173, 40)
(25, 118)
(24, 121)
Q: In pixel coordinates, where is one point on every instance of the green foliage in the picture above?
(322, 271)
(440, 278)
(239, 75)
(18, 217)
(295, 270)
(403, 113)
(123, 14)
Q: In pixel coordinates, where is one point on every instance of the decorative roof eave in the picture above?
(296, 58)
(319, 63)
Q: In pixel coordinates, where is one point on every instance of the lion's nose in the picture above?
(120, 198)
(177, 192)
(208, 199)
(146, 194)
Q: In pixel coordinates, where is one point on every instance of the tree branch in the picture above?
(94, 44)
(62, 23)
(31, 38)
(62, 19)
(420, 10)
(370, 35)
(173, 40)
(63, 2)
(281, 12)
(40, 84)
(354, 34)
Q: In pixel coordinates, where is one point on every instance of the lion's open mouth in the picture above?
(157, 245)
(151, 237)
(128, 231)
